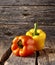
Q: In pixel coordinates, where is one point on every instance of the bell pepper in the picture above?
(23, 45)
(38, 35)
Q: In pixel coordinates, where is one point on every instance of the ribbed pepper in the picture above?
(23, 45)
(39, 36)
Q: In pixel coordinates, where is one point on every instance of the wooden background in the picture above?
(18, 16)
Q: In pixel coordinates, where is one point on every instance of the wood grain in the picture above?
(42, 60)
(18, 16)
(27, 2)
(44, 15)
(47, 60)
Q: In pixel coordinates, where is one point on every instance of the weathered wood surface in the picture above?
(18, 16)
(9, 31)
(27, 2)
(43, 60)
(44, 15)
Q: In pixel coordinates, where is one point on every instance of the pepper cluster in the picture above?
(25, 45)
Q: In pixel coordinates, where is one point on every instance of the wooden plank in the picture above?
(47, 60)
(20, 60)
(44, 15)
(27, 2)
(31, 61)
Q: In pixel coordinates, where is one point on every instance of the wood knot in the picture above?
(8, 33)
(26, 14)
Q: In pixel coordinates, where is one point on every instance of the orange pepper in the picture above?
(23, 45)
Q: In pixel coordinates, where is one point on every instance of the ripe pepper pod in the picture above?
(39, 36)
(23, 45)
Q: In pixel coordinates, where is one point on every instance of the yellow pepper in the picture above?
(39, 36)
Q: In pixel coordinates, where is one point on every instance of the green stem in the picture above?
(20, 44)
(35, 29)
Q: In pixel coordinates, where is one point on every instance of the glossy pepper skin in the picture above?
(23, 45)
(39, 38)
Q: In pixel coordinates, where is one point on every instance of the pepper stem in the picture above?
(20, 44)
(35, 29)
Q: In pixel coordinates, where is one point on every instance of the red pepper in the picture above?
(23, 45)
